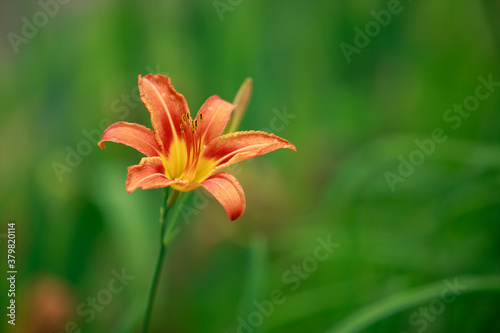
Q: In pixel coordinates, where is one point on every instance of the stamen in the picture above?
(184, 118)
(201, 117)
(182, 129)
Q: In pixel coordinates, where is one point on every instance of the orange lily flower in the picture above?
(186, 153)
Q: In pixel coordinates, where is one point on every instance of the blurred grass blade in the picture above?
(491, 12)
(130, 319)
(255, 275)
(379, 310)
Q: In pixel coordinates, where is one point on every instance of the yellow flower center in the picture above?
(184, 161)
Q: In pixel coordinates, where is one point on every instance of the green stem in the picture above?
(168, 203)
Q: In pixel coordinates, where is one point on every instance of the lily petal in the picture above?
(239, 146)
(133, 135)
(148, 174)
(227, 190)
(166, 107)
(215, 113)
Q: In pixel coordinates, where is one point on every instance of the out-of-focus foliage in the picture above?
(351, 122)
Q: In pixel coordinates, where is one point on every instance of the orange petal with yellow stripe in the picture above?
(227, 190)
(148, 174)
(239, 146)
(133, 135)
(166, 107)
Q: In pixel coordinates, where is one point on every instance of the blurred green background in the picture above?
(397, 249)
